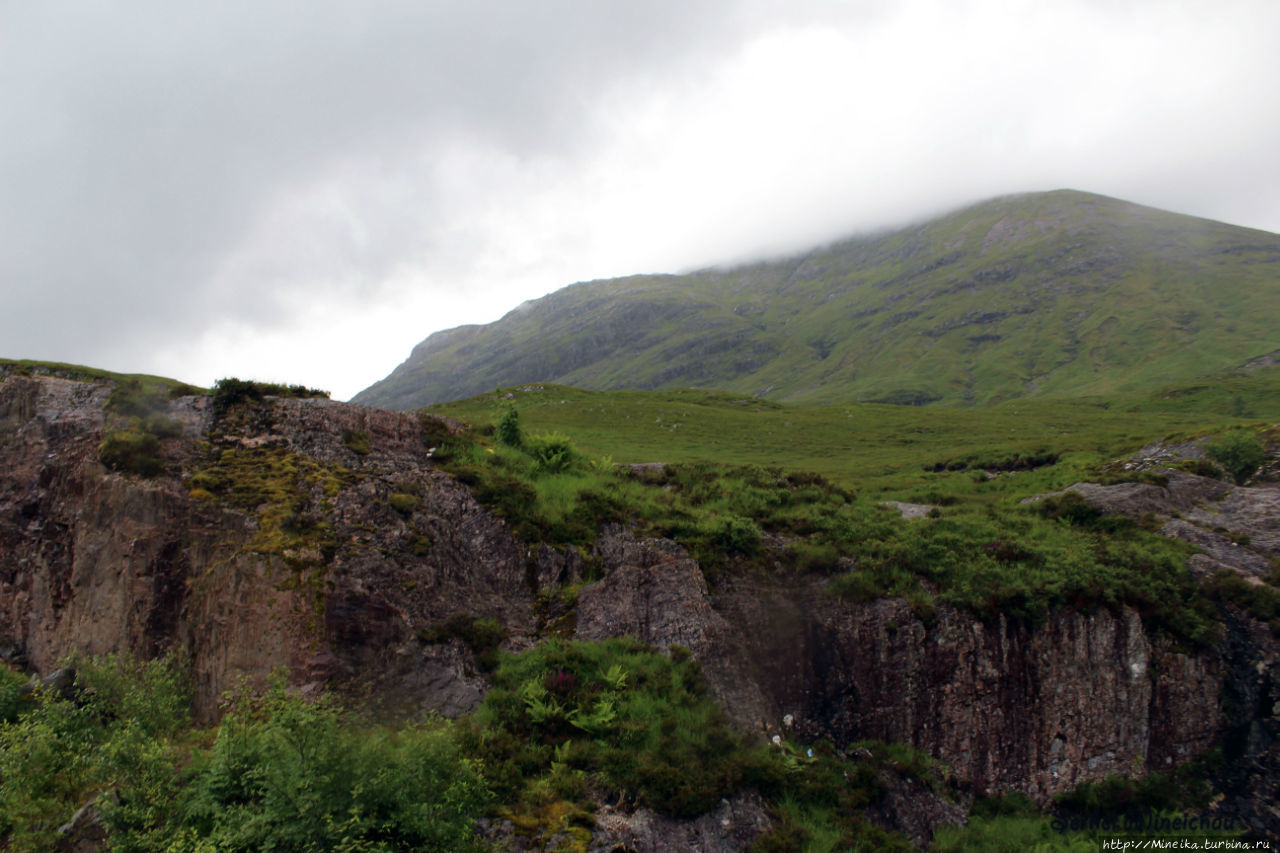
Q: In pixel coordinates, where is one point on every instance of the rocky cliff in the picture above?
(319, 537)
(1007, 707)
(97, 561)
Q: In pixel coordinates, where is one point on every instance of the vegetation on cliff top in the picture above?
(979, 548)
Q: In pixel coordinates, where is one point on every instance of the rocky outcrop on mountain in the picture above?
(1237, 531)
(1237, 527)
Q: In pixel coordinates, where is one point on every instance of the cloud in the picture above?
(153, 148)
(303, 190)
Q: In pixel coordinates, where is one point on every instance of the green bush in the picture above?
(552, 452)
(230, 391)
(1004, 833)
(637, 722)
(508, 428)
(286, 773)
(403, 503)
(481, 635)
(737, 535)
(1238, 452)
(11, 684)
(160, 426)
(116, 734)
(356, 440)
(131, 398)
(283, 773)
(1185, 788)
(1199, 467)
(132, 451)
(1261, 601)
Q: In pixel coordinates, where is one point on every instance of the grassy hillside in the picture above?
(877, 446)
(147, 382)
(1045, 295)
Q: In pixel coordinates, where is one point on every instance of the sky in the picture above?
(302, 190)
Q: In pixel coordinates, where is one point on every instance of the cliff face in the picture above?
(96, 561)
(350, 548)
(1007, 707)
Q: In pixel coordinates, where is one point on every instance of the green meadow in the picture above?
(873, 447)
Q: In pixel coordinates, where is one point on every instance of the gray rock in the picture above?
(731, 827)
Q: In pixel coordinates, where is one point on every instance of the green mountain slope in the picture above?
(1049, 294)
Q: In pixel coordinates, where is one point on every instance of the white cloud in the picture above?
(303, 191)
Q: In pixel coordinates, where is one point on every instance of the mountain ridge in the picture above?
(1041, 294)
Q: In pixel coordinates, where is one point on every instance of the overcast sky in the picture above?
(301, 191)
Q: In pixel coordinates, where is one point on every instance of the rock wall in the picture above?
(93, 561)
(1006, 706)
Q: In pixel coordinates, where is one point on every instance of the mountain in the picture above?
(1056, 294)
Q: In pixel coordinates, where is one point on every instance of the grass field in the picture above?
(872, 447)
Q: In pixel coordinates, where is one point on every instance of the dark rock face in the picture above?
(95, 562)
(1008, 708)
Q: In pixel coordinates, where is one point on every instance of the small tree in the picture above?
(1239, 453)
(509, 428)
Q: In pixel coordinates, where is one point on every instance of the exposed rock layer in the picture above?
(1007, 707)
(93, 561)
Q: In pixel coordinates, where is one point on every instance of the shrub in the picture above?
(132, 451)
(1239, 452)
(1199, 467)
(10, 694)
(552, 452)
(403, 503)
(446, 441)
(286, 773)
(57, 752)
(230, 391)
(160, 426)
(1070, 507)
(508, 428)
(1260, 601)
(1185, 788)
(131, 399)
(637, 722)
(737, 535)
(482, 636)
(356, 440)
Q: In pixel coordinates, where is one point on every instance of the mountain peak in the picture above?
(1053, 293)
